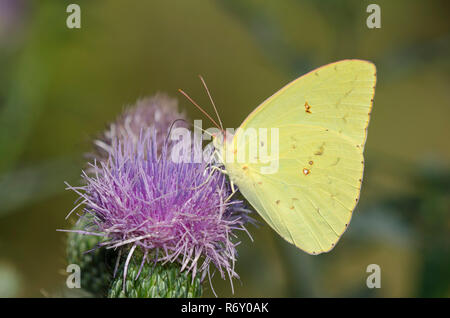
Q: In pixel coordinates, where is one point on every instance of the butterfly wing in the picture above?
(322, 119)
(337, 96)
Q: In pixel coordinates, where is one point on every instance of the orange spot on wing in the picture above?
(306, 171)
(307, 108)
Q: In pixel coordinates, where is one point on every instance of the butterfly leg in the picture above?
(219, 169)
(233, 188)
(213, 168)
(232, 193)
(206, 181)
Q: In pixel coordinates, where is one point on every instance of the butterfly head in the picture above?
(218, 140)
(221, 139)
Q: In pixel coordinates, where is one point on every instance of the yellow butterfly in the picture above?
(320, 122)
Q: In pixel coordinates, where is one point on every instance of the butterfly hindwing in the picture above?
(310, 198)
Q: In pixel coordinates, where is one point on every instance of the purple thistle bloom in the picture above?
(140, 200)
(157, 112)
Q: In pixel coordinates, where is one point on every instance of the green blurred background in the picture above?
(59, 88)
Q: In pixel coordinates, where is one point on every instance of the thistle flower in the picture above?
(158, 112)
(140, 200)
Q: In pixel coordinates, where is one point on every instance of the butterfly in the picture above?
(320, 123)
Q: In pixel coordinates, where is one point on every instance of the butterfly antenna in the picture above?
(188, 123)
(171, 127)
(212, 101)
(205, 131)
(201, 109)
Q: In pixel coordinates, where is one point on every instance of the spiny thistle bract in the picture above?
(142, 200)
(95, 264)
(155, 281)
